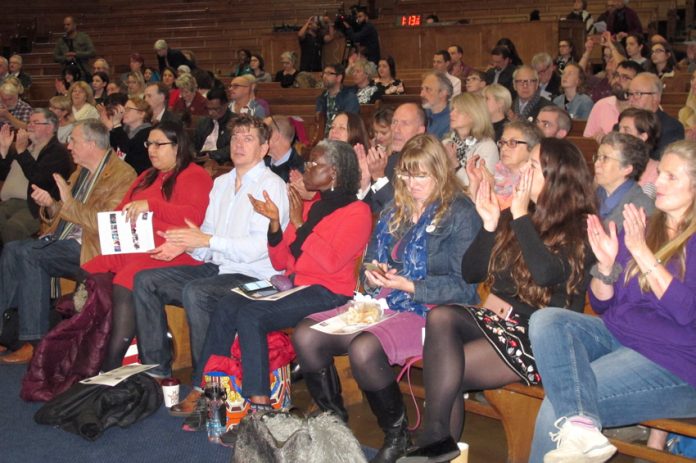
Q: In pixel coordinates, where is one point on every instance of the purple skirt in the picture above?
(401, 336)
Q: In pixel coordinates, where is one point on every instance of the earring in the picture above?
(333, 181)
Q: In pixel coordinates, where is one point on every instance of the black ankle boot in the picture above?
(388, 405)
(325, 388)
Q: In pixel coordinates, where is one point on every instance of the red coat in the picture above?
(198, 106)
(330, 252)
(189, 201)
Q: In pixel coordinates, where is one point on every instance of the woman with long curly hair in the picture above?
(636, 361)
(531, 256)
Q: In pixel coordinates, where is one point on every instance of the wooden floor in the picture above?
(485, 436)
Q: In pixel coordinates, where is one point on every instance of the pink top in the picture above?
(603, 116)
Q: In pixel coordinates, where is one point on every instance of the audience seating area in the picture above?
(215, 30)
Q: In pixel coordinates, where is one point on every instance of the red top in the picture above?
(189, 199)
(198, 105)
(330, 252)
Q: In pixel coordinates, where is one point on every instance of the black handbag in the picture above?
(9, 329)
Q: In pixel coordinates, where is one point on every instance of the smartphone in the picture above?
(374, 267)
(257, 286)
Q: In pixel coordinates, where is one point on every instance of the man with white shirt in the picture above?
(409, 120)
(212, 137)
(282, 156)
(157, 96)
(441, 63)
(231, 243)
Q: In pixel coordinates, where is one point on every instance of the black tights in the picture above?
(369, 364)
(456, 358)
(122, 327)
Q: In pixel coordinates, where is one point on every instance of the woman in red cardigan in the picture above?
(176, 192)
(319, 248)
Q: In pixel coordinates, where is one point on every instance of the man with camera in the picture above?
(74, 48)
(363, 34)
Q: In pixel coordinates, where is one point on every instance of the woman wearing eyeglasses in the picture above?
(531, 256)
(176, 191)
(618, 164)
(516, 144)
(663, 58)
(130, 130)
(286, 76)
(416, 251)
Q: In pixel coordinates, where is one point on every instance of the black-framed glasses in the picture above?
(38, 123)
(511, 143)
(328, 73)
(157, 144)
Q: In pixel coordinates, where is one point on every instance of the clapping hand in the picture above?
(41, 196)
(63, 188)
(521, 194)
(604, 246)
(21, 141)
(487, 206)
(167, 252)
(266, 208)
(377, 162)
(364, 167)
(296, 206)
(297, 182)
(6, 137)
(634, 229)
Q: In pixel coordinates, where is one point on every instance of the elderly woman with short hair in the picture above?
(362, 72)
(83, 104)
(189, 101)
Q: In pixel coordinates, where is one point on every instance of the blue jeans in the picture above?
(587, 372)
(26, 268)
(252, 321)
(197, 288)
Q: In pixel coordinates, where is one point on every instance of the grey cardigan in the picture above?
(633, 196)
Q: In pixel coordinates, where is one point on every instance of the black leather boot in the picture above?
(388, 405)
(325, 388)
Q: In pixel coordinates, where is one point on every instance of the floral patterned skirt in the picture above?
(510, 339)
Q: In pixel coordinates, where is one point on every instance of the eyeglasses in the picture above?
(312, 164)
(602, 158)
(157, 144)
(526, 82)
(657, 50)
(406, 176)
(38, 123)
(327, 73)
(129, 108)
(237, 85)
(511, 143)
(638, 94)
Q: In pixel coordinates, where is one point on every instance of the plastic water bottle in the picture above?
(216, 396)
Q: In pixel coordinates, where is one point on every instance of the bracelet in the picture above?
(653, 267)
(610, 279)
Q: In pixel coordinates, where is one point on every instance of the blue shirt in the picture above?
(438, 123)
(607, 202)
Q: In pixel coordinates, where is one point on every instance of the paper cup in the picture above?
(464, 456)
(170, 391)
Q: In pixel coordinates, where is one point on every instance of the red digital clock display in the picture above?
(411, 20)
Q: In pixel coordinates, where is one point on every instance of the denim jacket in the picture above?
(447, 244)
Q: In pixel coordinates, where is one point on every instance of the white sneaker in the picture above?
(576, 444)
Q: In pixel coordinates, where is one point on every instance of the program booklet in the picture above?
(116, 236)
